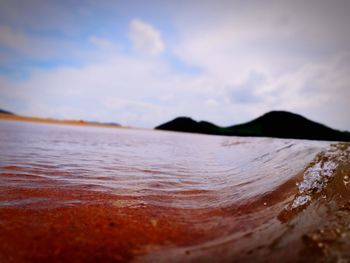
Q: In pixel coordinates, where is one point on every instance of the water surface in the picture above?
(113, 194)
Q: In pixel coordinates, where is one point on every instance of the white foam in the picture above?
(318, 175)
(301, 200)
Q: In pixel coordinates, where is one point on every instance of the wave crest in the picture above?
(316, 177)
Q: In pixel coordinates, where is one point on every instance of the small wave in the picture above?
(316, 177)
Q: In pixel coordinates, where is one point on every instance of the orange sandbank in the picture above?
(54, 121)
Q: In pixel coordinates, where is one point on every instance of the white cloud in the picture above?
(270, 37)
(145, 38)
(102, 43)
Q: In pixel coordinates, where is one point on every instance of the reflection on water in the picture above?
(199, 171)
(214, 190)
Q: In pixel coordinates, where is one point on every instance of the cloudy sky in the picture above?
(142, 63)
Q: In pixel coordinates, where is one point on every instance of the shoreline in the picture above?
(55, 121)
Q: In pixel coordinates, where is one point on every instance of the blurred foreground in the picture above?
(86, 194)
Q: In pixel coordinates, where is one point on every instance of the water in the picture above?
(85, 193)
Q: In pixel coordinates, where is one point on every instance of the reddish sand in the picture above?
(100, 228)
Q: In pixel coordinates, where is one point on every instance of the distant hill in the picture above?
(6, 112)
(278, 124)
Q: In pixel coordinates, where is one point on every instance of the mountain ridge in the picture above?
(277, 124)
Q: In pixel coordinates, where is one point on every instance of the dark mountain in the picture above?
(6, 112)
(184, 124)
(278, 124)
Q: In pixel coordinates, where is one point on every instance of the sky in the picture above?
(142, 63)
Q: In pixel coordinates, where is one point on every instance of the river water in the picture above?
(77, 193)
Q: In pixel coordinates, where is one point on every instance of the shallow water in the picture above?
(86, 194)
